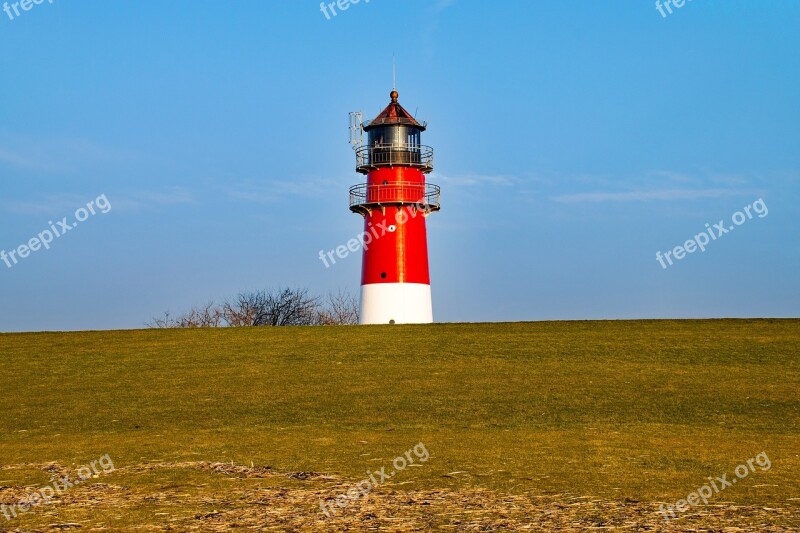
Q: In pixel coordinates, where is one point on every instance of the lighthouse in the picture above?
(395, 202)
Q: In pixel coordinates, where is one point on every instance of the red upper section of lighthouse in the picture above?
(394, 114)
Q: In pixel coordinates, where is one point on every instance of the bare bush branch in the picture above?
(162, 321)
(208, 316)
(275, 307)
(341, 308)
(279, 307)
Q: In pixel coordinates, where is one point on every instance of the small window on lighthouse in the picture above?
(392, 228)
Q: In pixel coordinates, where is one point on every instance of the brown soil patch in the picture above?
(297, 508)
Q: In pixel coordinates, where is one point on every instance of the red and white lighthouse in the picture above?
(395, 201)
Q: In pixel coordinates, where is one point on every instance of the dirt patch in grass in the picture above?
(130, 505)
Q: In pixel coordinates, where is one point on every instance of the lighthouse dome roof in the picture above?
(394, 113)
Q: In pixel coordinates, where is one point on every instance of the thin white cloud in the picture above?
(649, 195)
(53, 155)
(13, 159)
(430, 28)
(674, 176)
(51, 205)
(143, 200)
(174, 196)
(441, 5)
(473, 179)
(258, 195)
(274, 191)
(54, 204)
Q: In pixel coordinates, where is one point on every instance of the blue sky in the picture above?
(573, 141)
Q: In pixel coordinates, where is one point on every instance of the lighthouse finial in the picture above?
(394, 94)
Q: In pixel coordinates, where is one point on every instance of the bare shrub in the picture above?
(341, 308)
(208, 316)
(279, 307)
(275, 307)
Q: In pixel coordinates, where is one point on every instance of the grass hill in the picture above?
(542, 425)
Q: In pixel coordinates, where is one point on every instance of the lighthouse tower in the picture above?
(395, 202)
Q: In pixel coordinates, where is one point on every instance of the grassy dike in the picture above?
(617, 411)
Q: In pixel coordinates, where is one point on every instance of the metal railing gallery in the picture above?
(426, 196)
(418, 156)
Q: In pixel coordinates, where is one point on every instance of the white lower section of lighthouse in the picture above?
(396, 303)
